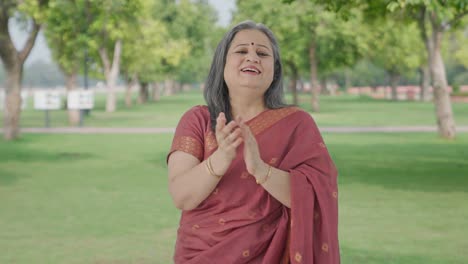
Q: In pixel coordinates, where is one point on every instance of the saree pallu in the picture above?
(240, 222)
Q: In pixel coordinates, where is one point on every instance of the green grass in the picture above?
(104, 199)
(335, 111)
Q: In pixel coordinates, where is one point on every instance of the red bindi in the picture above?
(252, 43)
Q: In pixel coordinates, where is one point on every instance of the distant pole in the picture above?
(86, 55)
(86, 75)
(84, 112)
(47, 118)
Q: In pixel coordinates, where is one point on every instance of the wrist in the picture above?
(263, 176)
(260, 170)
(219, 162)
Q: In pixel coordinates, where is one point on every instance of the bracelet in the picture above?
(266, 178)
(210, 168)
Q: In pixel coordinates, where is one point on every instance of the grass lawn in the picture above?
(335, 111)
(104, 199)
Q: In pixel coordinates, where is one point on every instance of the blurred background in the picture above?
(91, 91)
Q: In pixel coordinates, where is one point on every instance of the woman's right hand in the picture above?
(229, 137)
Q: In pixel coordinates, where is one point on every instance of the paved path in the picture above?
(147, 130)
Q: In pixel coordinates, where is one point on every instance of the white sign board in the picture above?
(24, 99)
(47, 100)
(80, 99)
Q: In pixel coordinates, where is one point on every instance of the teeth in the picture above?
(250, 70)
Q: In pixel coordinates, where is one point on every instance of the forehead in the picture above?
(251, 36)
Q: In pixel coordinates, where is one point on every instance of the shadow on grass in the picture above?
(420, 167)
(28, 155)
(358, 256)
(8, 177)
(22, 155)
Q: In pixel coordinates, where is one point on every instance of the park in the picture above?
(89, 184)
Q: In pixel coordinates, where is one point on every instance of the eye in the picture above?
(241, 52)
(263, 54)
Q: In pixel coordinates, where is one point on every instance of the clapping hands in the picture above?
(230, 136)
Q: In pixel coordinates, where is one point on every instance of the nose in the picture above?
(253, 57)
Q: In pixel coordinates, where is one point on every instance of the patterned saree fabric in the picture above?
(240, 222)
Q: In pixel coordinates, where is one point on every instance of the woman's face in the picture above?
(249, 62)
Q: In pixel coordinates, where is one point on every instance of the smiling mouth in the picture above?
(251, 70)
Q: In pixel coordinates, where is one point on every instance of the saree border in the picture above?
(258, 124)
(268, 118)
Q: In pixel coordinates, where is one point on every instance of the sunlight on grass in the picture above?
(104, 199)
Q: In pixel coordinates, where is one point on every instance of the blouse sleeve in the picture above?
(189, 134)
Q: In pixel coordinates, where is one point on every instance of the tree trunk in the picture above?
(394, 81)
(128, 96)
(347, 79)
(315, 89)
(156, 92)
(443, 105)
(131, 82)
(111, 73)
(12, 109)
(323, 86)
(143, 94)
(293, 83)
(13, 61)
(177, 87)
(301, 86)
(168, 87)
(70, 84)
(425, 82)
(111, 99)
(293, 89)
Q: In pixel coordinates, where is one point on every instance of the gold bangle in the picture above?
(266, 178)
(210, 168)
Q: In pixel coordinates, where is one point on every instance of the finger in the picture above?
(229, 139)
(248, 135)
(229, 127)
(220, 121)
(234, 135)
(237, 143)
(220, 124)
(239, 119)
(245, 130)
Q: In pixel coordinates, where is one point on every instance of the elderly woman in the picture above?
(252, 176)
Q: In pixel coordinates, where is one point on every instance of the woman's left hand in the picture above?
(253, 161)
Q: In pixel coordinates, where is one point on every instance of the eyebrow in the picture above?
(255, 44)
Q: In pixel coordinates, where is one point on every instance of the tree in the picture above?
(435, 17)
(196, 22)
(395, 47)
(441, 16)
(109, 24)
(33, 13)
(65, 33)
(151, 49)
(193, 23)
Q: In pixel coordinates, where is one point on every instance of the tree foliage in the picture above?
(396, 47)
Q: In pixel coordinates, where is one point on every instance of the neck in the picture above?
(247, 108)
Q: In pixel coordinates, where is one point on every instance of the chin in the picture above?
(251, 85)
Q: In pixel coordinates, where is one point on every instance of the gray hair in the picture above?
(216, 92)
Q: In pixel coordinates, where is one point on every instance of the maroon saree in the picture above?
(240, 222)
